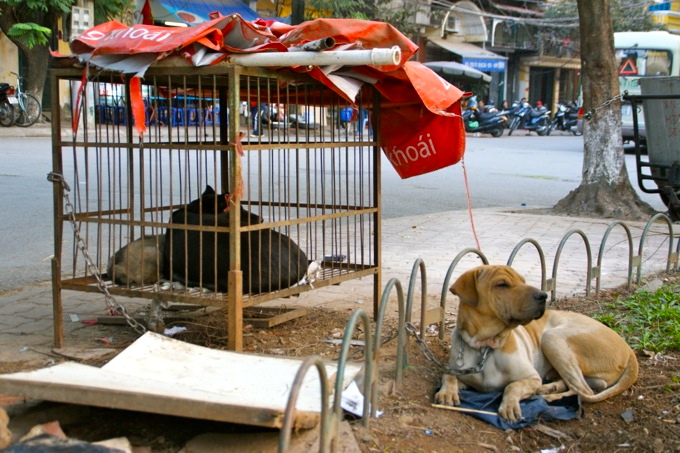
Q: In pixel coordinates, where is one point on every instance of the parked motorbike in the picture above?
(565, 119)
(510, 113)
(531, 119)
(6, 108)
(483, 122)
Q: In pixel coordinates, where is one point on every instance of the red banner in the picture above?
(114, 38)
(416, 141)
(421, 130)
(421, 127)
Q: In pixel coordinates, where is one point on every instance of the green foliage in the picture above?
(29, 33)
(30, 22)
(348, 9)
(647, 320)
(39, 6)
(44, 13)
(627, 15)
(631, 15)
(402, 18)
(111, 9)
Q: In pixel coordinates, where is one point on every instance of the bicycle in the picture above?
(27, 110)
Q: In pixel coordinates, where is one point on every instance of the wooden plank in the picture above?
(167, 318)
(161, 375)
(265, 317)
(74, 383)
(433, 316)
(260, 317)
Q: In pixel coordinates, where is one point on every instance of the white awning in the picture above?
(457, 71)
(473, 56)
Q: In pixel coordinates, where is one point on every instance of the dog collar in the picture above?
(459, 371)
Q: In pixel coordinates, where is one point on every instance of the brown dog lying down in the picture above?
(529, 345)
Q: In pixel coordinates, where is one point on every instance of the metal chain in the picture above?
(427, 352)
(111, 303)
(589, 115)
(486, 352)
(424, 348)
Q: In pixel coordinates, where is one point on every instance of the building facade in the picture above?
(527, 55)
(667, 13)
(521, 52)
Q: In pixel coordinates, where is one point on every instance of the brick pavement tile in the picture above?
(26, 328)
(12, 322)
(15, 308)
(43, 325)
(32, 311)
(33, 292)
(22, 341)
(436, 239)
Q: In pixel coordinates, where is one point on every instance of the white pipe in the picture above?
(376, 57)
(319, 44)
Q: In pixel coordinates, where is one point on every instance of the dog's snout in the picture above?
(541, 297)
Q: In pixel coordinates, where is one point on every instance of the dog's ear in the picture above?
(209, 190)
(466, 287)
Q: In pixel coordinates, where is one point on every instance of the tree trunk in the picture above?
(605, 190)
(37, 58)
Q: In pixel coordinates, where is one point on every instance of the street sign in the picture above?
(486, 64)
(628, 68)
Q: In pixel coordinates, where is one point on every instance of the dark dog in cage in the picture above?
(138, 262)
(269, 260)
(213, 203)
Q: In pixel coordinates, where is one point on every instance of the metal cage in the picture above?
(158, 213)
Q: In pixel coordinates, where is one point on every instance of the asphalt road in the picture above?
(506, 172)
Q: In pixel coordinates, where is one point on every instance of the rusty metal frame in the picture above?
(231, 85)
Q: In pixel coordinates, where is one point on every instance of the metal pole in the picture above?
(298, 13)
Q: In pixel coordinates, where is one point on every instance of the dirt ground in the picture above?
(645, 418)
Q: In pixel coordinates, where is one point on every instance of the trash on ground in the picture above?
(172, 331)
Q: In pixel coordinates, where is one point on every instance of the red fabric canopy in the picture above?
(413, 94)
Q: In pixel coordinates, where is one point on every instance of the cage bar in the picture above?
(241, 179)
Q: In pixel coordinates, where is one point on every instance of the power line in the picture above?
(571, 22)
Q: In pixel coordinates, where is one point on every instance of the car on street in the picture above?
(627, 131)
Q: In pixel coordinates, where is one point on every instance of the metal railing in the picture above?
(330, 422)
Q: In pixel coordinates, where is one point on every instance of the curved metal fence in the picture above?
(330, 422)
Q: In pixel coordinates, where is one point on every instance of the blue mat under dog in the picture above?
(534, 409)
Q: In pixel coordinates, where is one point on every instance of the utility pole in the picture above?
(298, 13)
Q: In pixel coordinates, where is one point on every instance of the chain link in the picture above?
(427, 352)
(111, 303)
(424, 348)
(589, 115)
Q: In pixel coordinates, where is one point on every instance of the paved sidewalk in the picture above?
(26, 315)
(39, 130)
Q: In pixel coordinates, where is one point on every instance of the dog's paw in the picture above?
(552, 387)
(447, 397)
(510, 410)
(448, 393)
